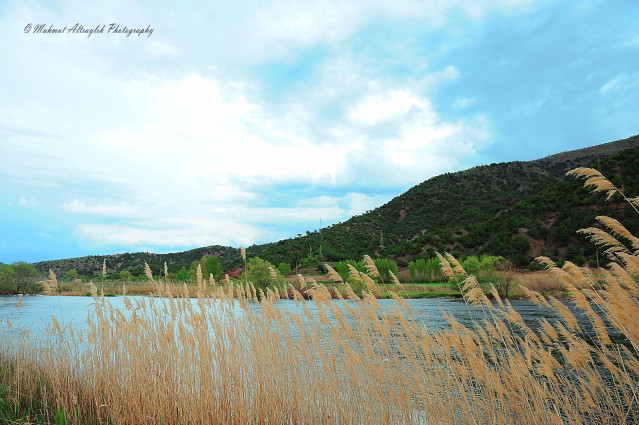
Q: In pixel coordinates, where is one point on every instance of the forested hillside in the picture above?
(518, 210)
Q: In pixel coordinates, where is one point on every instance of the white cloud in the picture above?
(393, 104)
(620, 82)
(27, 202)
(195, 233)
(184, 152)
(464, 102)
(122, 209)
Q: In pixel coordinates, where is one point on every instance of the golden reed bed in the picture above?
(234, 356)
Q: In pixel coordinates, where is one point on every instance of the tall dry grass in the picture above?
(235, 355)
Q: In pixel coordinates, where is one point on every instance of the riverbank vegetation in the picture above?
(233, 355)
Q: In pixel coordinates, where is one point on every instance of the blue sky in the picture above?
(245, 124)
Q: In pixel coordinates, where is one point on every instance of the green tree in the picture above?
(285, 269)
(192, 274)
(384, 267)
(125, 275)
(257, 273)
(425, 270)
(204, 265)
(214, 267)
(182, 275)
(71, 275)
(7, 279)
(26, 275)
(343, 270)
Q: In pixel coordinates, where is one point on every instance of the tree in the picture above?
(257, 273)
(214, 267)
(193, 270)
(182, 275)
(125, 275)
(71, 275)
(285, 269)
(204, 266)
(25, 277)
(343, 270)
(505, 270)
(384, 267)
(7, 279)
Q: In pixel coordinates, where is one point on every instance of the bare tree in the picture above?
(506, 271)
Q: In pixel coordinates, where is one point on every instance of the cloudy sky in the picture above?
(245, 122)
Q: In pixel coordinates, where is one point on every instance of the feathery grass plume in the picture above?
(198, 275)
(20, 302)
(167, 290)
(594, 180)
(302, 281)
(476, 295)
(93, 290)
(46, 288)
(104, 269)
(457, 267)
(630, 261)
(166, 271)
(147, 272)
(546, 262)
(624, 278)
(124, 289)
(567, 315)
(227, 279)
(332, 274)
(581, 300)
(447, 270)
(495, 293)
(371, 268)
(535, 297)
(401, 301)
(53, 281)
(353, 273)
(619, 229)
(469, 283)
(272, 273)
(369, 282)
(395, 279)
(577, 274)
(127, 303)
(243, 252)
(211, 280)
(603, 238)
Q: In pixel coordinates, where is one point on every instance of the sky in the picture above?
(234, 123)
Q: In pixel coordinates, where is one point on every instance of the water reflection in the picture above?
(36, 311)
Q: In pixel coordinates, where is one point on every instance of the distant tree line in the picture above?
(18, 278)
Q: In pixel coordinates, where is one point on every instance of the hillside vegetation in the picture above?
(518, 210)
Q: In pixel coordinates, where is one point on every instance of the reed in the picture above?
(235, 356)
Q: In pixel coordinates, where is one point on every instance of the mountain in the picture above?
(134, 262)
(516, 209)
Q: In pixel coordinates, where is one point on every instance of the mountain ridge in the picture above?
(448, 212)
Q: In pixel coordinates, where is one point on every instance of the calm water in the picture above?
(37, 311)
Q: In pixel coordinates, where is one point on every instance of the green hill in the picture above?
(517, 209)
(134, 262)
